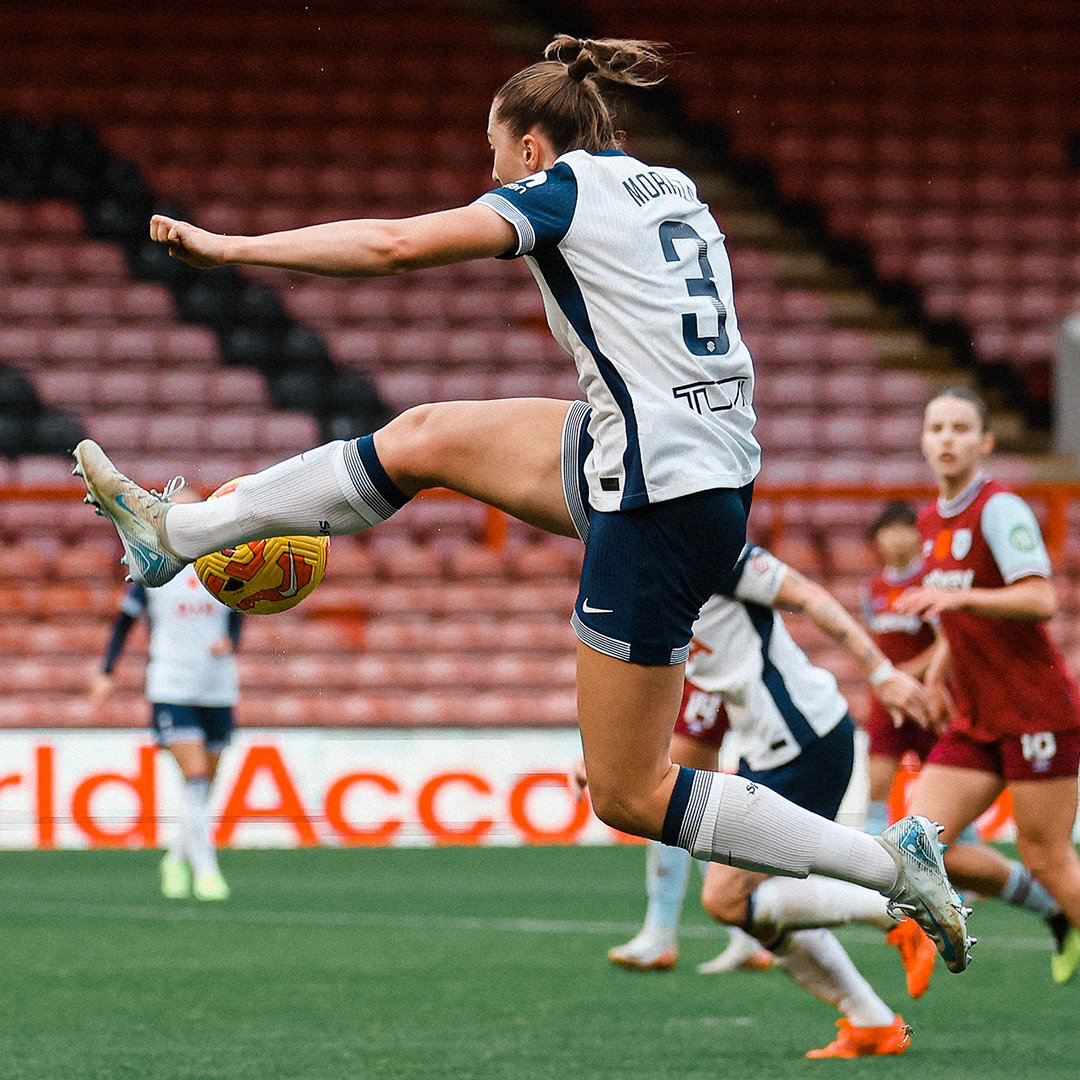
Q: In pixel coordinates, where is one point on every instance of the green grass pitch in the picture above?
(470, 963)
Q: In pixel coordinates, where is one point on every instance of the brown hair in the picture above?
(893, 513)
(560, 96)
(973, 399)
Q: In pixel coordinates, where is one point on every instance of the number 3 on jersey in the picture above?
(670, 232)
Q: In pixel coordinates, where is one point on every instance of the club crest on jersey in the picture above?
(1022, 538)
(961, 543)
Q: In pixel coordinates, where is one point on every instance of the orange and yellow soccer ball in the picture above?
(263, 577)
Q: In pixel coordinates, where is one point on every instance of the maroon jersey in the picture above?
(900, 637)
(1008, 677)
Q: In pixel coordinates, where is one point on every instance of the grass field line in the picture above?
(434, 921)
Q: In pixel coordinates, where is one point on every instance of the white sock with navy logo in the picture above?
(728, 819)
(335, 490)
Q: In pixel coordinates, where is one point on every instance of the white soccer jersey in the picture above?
(185, 620)
(777, 701)
(637, 288)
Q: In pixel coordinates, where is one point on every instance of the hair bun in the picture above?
(637, 63)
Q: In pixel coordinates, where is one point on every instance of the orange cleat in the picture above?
(856, 1042)
(917, 953)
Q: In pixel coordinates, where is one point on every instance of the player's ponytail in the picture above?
(636, 63)
(560, 95)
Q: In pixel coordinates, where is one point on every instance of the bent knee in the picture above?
(620, 810)
(1048, 861)
(723, 904)
(410, 444)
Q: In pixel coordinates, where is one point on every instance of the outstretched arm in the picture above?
(369, 247)
(1031, 599)
(902, 695)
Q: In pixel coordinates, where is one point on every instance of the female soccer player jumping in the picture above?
(637, 288)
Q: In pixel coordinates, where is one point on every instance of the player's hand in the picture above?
(192, 245)
(101, 688)
(928, 603)
(578, 780)
(942, 706)
(222, 647)
(905, 698)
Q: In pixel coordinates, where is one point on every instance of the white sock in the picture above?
(731, 820)
(818, 963)
(337, 489)
(1022, 890)
(877, 817)
(175, 850)
(785, 904)
(666, 872)
(195, 816)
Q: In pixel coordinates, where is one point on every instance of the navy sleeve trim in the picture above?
(540, 207)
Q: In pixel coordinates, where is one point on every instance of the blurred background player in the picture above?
(192, 687)
(1016, 721)
(795, 734)
(906, 640)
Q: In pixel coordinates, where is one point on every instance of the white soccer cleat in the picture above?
(743, 953)
(137, 515)
(650, 950)
(923, 891)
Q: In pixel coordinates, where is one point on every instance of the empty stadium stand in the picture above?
(271, 117)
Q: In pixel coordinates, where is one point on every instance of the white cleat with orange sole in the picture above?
(649, 950)
(744, 953)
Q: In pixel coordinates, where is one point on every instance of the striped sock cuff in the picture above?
(685, 811)
(374, 495)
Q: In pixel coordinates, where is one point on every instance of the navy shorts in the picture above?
(648, 571)
(818, 778)
(212, 724)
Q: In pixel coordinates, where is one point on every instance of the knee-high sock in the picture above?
(667, 870)
(786, 904)
(336, 489)
(728, 819)
(1022, 890)
(818, 963)
(195, 821)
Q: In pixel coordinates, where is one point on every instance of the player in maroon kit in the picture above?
(906, 640)
(1015, 720)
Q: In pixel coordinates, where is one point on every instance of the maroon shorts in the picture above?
(1042, 755)
(888, 740)
(701, 716)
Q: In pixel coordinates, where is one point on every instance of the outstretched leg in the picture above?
(505, 453)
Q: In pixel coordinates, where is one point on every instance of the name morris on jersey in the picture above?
(651, 185)
(949, 579)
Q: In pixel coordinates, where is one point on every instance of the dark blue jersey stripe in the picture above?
(763, 620)
(567, 293)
